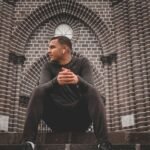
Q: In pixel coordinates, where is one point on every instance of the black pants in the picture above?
(71, 118)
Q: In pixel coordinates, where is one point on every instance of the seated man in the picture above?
(65, 98)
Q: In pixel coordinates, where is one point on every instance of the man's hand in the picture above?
(66, 76)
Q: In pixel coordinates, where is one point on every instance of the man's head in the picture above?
(59, 47)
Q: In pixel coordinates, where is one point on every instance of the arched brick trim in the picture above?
(72, 21)
(31, 77)
(55, 8)
(48, 11)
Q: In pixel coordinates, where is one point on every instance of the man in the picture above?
(65, 98)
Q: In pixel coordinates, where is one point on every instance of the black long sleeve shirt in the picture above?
(67, 94)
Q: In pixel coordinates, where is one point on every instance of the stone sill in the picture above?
(75, 147)
(79, 138)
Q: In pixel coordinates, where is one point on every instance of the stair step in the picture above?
(75, 147)
(78, 138)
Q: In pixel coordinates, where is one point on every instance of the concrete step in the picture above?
(75, 147)
(79, 138)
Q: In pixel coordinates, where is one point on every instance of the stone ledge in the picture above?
(75, 147)
(79, 138)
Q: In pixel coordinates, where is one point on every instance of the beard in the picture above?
(54, 61)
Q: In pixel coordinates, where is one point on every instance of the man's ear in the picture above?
(66, 49)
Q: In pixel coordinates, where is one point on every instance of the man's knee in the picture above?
(39, 91)
(92, 90)
(95, 94)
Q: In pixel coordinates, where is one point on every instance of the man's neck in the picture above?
(67, 58)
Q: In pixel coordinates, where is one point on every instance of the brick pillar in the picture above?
(109, 63)
(6, 17)
(138, 66)
(109, 99)
(131, 21)
(143, 13)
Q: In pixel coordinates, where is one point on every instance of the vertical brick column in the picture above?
(109, 98)
(109, 62)
(6, 16)
(131, 21)
(143, 15)
(124, 84)
(138, 68)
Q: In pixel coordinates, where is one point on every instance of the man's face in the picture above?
(55, 50)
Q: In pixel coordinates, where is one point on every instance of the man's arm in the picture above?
(85, 77)
(46, 80)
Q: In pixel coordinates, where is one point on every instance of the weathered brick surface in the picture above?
(101, 27)
(130, 90)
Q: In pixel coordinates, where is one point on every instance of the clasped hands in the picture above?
(66, 76)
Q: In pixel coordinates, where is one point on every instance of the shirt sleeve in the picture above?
(85, 77)
(46, 80)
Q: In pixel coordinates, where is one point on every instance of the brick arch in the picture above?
(41, 15)
(57, 7)
(31, 80)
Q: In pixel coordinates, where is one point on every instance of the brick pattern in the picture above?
(129, 78)
(8, 85)
(33, 50)
(54, 8)
(102, 8)
(113, 31)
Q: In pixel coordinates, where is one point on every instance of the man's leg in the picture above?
(34, 114)
(97, 114)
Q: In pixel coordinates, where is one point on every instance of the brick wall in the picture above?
(84, 43)
(114, 35)
(130, 75)
(8, 103)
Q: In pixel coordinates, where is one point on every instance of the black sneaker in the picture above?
(27, 146)
(104, 146)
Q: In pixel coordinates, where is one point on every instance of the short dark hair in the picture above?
(63, 40)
